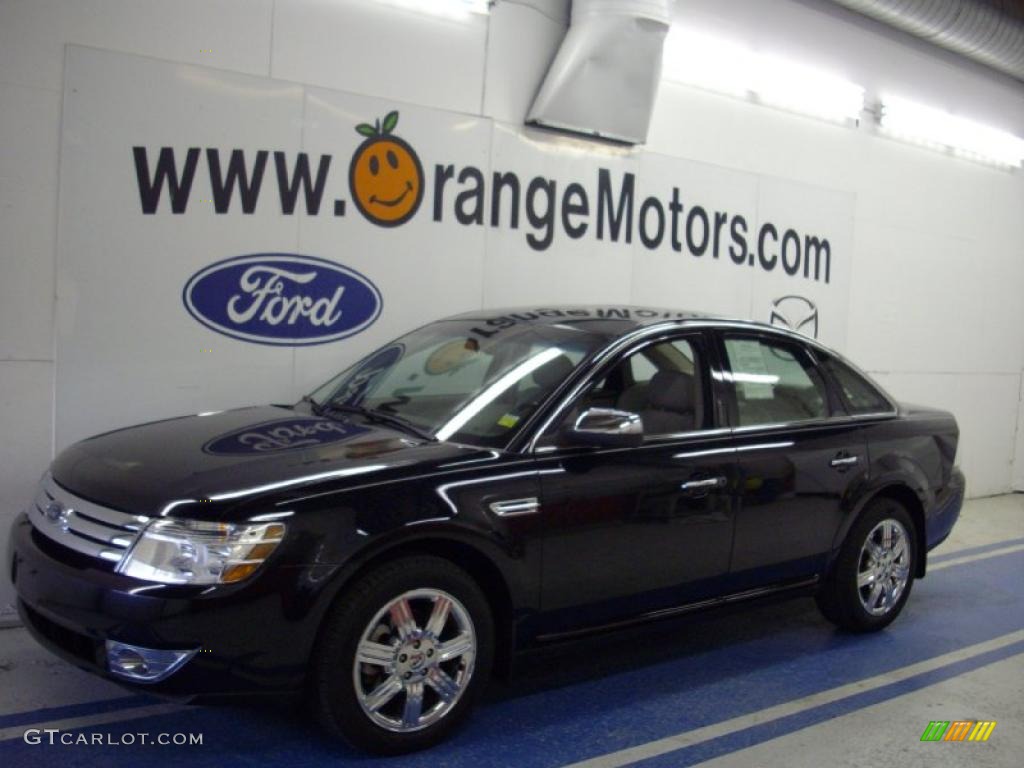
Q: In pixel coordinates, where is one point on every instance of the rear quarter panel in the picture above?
(914, 450)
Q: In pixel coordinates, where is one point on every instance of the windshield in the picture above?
(463, 383)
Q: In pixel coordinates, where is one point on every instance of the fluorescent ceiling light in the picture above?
(728, 67)
(786, 84)
(707, 62)
(938, 129)
(452, 9)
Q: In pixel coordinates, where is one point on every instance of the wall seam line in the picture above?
(270, 51)
(1015, 485)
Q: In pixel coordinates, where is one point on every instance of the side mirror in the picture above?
(606, 427)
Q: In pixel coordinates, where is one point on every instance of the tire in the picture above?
(371, 704)
(887, 577)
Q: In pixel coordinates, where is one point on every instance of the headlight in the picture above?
(193, 552)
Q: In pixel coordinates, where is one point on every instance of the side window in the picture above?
(640, 368)
(661, 382)
(775, 382)
(860, 395)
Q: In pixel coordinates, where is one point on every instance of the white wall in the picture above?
(939, 260)
(938, 242)
(1018, 463)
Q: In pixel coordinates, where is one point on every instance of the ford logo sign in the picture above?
(282, 435)
(282, 299)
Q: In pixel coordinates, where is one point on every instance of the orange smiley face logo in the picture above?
(385, 175)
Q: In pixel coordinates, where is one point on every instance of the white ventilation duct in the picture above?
(605, 76)
(989, 31)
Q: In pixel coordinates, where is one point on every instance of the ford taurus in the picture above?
(483, 484)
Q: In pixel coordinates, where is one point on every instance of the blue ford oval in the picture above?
(282, 435)
(282, 299)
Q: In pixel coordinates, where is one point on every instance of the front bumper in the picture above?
(251, 637)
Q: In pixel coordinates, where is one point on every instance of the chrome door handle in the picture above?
(697, 485)
(845, 461)
(515, 507)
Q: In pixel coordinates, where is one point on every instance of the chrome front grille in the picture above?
(87, 528)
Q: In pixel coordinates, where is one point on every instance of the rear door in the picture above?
(800, 458)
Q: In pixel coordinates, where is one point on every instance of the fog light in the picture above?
(144, 665)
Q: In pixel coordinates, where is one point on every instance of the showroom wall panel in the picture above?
(966, 281)
(388, 50)
(26, 421)
(927, 253)
(117, 352)
(1018, 463)
(557, 268)
(987, 435)
(661, 276)
(227, 34)
(29, 123)
(569, 223)
(419, 271)
(937, 264)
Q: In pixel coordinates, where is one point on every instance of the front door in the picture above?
(629, 531)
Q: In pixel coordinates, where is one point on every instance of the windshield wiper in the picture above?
(314, 406)
(381, 417)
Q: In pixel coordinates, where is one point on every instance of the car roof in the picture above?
(605, 319)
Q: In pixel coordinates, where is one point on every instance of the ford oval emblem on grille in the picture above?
(54, 510)
(282, 299)
(57, 513)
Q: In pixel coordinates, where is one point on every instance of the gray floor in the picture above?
(990, 693)
(40, 691)
(876, 736)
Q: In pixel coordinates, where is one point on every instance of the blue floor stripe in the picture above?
(758, 734)
(610, 693)
(76, 710)
(50, 714)
(974, 550)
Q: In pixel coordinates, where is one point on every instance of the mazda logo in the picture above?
(797, 314)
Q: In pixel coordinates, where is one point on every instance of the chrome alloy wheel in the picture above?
(884, 567)
(414, 660)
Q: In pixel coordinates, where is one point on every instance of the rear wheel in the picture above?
(404, 656)
(874, 573)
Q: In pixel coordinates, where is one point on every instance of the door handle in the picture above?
(843, 461)
(700, 485)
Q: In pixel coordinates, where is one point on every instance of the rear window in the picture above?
(775, 382)
(859, 394)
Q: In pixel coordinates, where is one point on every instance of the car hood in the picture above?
(207, 465)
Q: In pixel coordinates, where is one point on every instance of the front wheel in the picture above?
(874, 572)
(404, 656)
